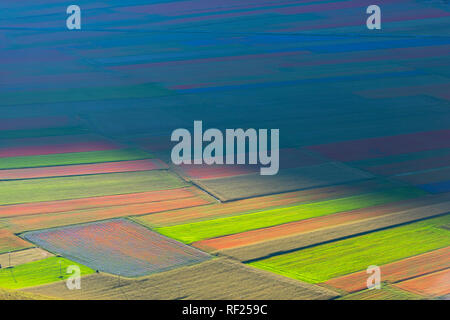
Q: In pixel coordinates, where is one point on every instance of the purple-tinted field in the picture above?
(117, 246)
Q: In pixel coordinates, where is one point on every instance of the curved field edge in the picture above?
(36, 273)
(323, 262)
(197, 231)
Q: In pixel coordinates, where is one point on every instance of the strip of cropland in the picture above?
(62, 188)
(83, 169)
(72, 158)
(323, 262)
(38, 272)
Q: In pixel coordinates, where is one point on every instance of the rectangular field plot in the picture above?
(118, 247)
(251, 185)
(323, 262)
(23, 256)
(38, 272)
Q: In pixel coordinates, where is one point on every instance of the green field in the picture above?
(61, 159)
(327, 261)
(197, 231)
(61, 188)
(37, 273)
(44, 132)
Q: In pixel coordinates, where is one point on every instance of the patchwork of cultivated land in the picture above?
(10, 242)
(229, 225)
(82, 169)
(117, 246)
(97, 202)
(23, 256)
(251, 185)
(323, 262)
(72, 158)
(214, 279)
(36, 273)
(308, 225)
(244, 206)
(364, 140)
(434, 284)
(62, 188)
(281, 245)
(412, 267)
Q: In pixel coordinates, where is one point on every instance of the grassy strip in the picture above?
(62, 159)
(45, 132)
(323, 262)
(63, 188)
(38, 272)
(197, 231)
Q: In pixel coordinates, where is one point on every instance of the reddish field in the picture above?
(11, 242)
(31, 150)
(435, 284)
(83, 169)
(304, 226)
(117, 246)
(96, 202)
(289, 158)
(410, 166)
(397, 271)
(50, 220)
(254, 204)
(385, 146)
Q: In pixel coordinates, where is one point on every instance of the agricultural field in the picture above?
(62, 188)
(118, 247)
(251, 185)
(432, 285)
(23, 256)
(213, 279)
(404, 269)
(71, 158)
(323, 262)
(223, 226)
(36, 273)
(87, 123)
